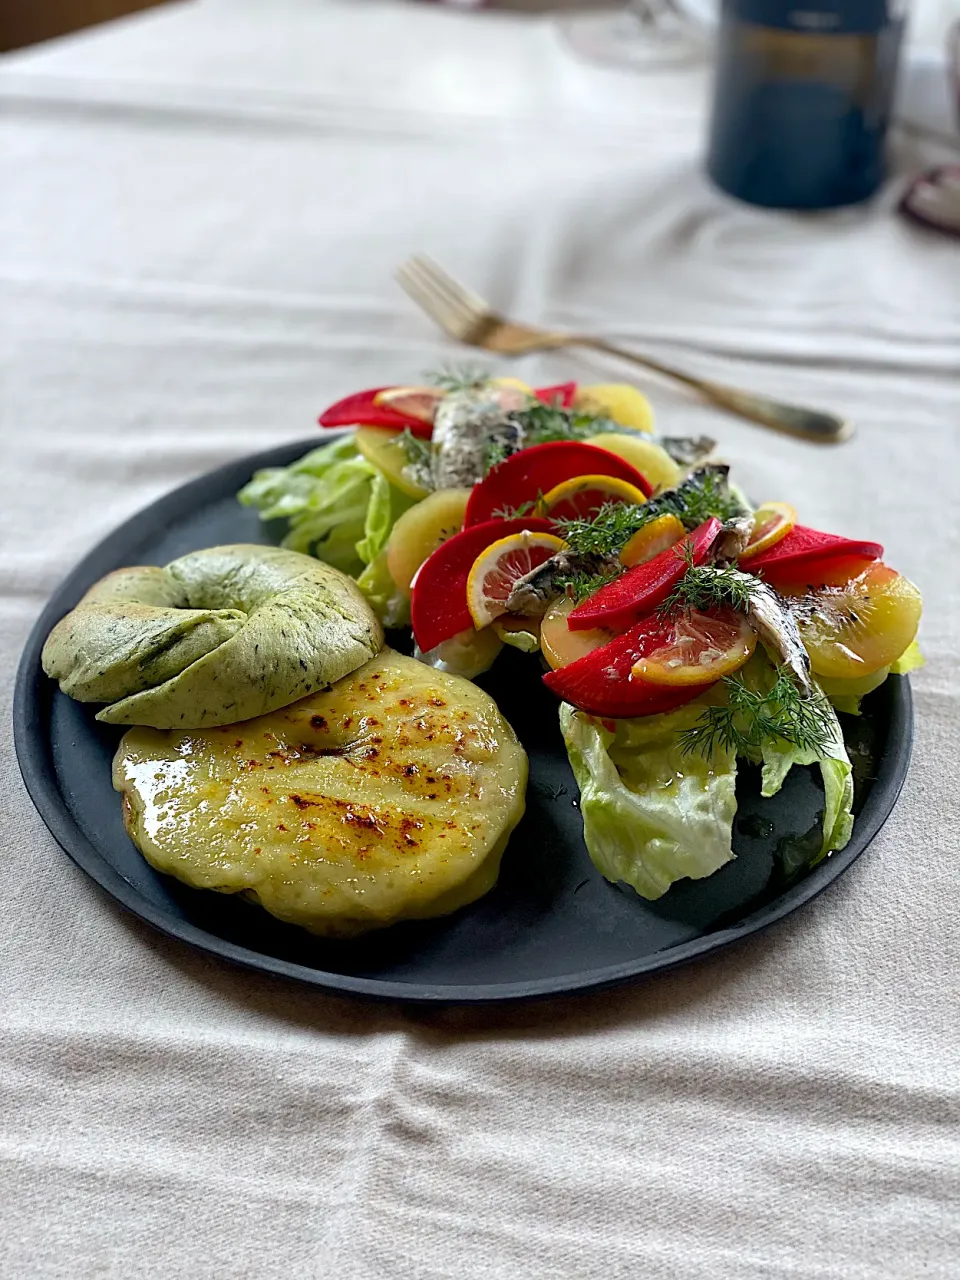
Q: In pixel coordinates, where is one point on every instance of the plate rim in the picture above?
(32, 744)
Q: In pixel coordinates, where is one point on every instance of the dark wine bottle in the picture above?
(802, 100)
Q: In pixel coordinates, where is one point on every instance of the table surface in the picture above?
(201, 212)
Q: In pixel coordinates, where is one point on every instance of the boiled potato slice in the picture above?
(389, 797)
(384, 448)
(652, 461)
(624, 403)
(419, 532)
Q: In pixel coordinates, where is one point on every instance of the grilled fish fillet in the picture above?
(389, 797)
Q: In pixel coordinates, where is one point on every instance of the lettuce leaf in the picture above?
(651, 815)
(846, 695)
(391, 605)
(339, 507)
(777, 758)
(909, 660)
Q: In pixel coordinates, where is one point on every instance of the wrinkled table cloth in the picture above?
(201, 211)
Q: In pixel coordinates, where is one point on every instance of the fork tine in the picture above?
(444, 300)
(421, 290)
(451, 305)
(423, 295)
(453, 290)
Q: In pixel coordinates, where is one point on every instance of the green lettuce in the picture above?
(777, 757)
(847, 694)
(391, 605)
(909, 660)
(651, 815)
(338, 506)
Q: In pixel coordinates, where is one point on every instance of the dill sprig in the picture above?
(702, 495)
(495, 451)
(541, 423)
(458, 377)
(579, 584)
(605, 533)
(785, 713)
(706, 586)
(416, 451)
(509, 513)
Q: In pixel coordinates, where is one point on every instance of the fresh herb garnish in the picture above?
(704, 494)
(785, 713)
(580, 585)
(416, 451)
(706, 586)
(495, 451)
(700, 496)
(605, 533)
(458, 377)
(542, 423)
(510, 513)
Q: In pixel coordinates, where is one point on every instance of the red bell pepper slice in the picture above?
(438, 602)
(804, 553)
(526, 475)
(601, 683)
(361, 410)
(562, 394)
(638, 591)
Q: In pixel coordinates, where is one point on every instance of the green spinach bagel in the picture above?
(217, 636)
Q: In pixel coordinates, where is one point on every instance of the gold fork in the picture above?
(465, 316)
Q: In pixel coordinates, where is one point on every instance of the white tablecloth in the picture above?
(201, 209)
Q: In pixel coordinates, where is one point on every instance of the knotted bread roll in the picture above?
(217, 636)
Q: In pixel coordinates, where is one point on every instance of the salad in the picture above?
(681, 628)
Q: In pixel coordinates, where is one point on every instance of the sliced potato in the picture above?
(390, 796)
(621, 401)
(653, 462)
(384, 448)
(561, 646)
(419, 532)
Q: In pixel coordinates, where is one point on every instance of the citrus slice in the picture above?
(584, 496)
(419, 531)
(771, 524)
(621, 401)
(700, 648)
(650, 459)
(502, 564)
(861, 626)
(384, 448)
(416, 402)
(653, 538)
(559, 644)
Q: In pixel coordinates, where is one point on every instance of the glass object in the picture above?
(644, 34)
(802, 100)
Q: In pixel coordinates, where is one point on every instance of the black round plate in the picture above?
(551, 925)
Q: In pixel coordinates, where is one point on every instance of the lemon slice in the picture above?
(702, 647)
(496, 570)
(772, 522)
(653, 538)
(583, 496)
(415, 402)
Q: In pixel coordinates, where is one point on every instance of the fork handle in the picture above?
(795, 420)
